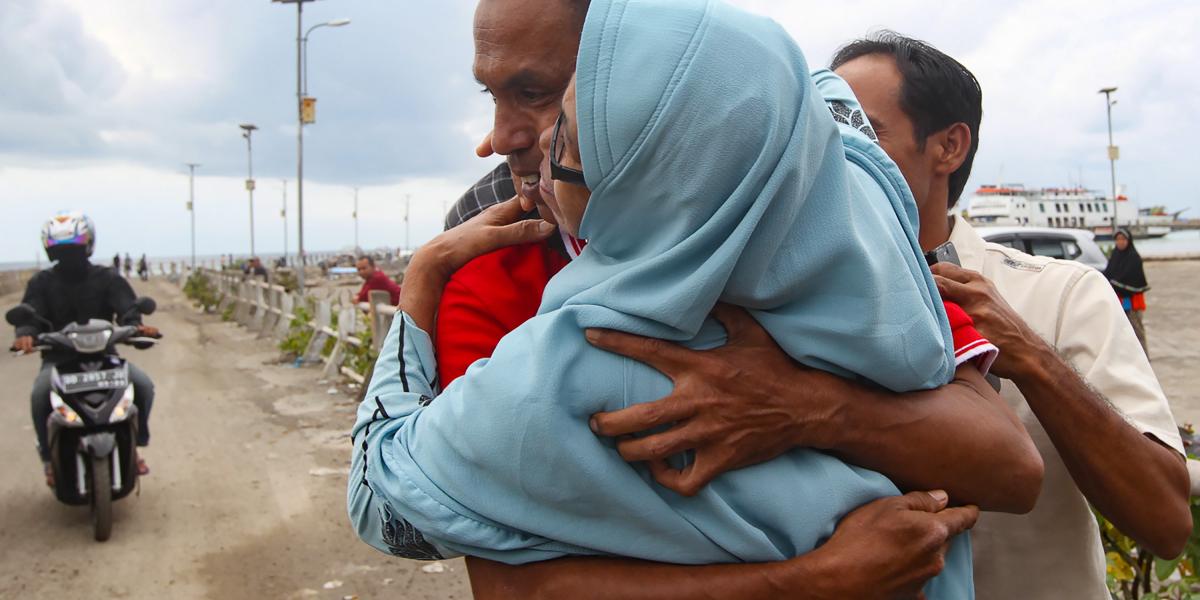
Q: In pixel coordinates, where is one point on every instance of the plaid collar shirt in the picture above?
(493, 188)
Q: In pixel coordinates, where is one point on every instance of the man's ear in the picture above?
(953, 144)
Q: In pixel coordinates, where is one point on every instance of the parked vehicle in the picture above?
(1070, 244)
(92, 429)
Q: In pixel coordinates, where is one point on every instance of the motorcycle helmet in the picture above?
(66, 229)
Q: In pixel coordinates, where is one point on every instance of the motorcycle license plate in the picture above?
(111, 379)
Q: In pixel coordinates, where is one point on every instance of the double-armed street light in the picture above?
(305, 108)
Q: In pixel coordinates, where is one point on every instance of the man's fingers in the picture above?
(667, 357)
(955, 272)
(958, 519)
(953, 291)
(739, 326)
(521, 232)
(666, 476)
(504, 213)
(655, 447)
(640, 417)
(933, 501)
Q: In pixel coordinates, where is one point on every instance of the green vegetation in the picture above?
(299, 334)
(200, 290)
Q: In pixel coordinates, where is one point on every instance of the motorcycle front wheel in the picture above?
(101, 497)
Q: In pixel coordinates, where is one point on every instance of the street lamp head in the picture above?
(338, 22)
(248, 127)
(1108, 90)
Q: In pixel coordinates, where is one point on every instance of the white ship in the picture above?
(1069, 208)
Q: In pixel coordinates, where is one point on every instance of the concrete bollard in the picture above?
(377, 298)
(321, 332)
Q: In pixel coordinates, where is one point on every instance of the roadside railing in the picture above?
(336, 330)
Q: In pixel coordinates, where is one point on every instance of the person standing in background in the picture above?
(374, 279)
(1128, 279)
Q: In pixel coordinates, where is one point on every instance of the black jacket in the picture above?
(100, 294)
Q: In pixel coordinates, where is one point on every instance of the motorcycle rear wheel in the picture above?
(101, 497)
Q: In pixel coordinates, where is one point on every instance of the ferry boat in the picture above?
(1064, 208)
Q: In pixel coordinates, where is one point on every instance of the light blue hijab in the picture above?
(717, 173)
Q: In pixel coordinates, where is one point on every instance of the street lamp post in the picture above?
(1113, 152)
(407, 211)
(249, 129)
(283, 215)
(192, 206)
(356, 249)
(301, 85)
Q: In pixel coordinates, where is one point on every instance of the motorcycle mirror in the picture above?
(146, 305)
(21, 314)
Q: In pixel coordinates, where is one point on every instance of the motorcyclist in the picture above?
(73, 290)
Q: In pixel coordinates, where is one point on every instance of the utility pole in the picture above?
(283, 214)
(1113, 153)
(249, 129)
(301, 88)
(192, 206)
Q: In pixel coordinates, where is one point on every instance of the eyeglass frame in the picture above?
(557, 171)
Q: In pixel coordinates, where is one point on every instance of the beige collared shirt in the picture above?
(1054, 552)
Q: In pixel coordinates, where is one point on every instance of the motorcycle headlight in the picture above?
(91, 343)
(60, 407)
(122, 408)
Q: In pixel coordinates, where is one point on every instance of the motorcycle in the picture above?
(92, 429)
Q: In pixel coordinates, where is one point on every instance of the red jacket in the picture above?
(379, 281)
(493, 294)
(487, 298)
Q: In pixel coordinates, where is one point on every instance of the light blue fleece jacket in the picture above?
(718, 172)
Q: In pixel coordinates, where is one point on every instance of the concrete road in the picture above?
(246, 498)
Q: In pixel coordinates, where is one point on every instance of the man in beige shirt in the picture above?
(1072, 367)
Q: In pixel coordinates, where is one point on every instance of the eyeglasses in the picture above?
(557, 171)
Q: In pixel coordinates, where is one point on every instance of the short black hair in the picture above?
(370, 260)
(937, 91)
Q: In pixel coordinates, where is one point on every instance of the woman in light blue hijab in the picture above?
(716, 173)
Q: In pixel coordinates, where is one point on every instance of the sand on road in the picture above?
(246, 498)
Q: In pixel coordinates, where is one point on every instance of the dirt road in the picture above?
(246, 498)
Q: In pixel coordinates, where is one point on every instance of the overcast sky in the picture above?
(101, 103)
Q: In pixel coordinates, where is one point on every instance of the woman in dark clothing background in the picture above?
(1125, 273)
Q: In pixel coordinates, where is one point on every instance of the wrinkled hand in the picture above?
(734, 406)
(890, 548)
(149, 331)
(993, 317)
(24, 344)
(499, 226)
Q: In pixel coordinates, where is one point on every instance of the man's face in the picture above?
(524, 57)
(876, 82)
(365, 269)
